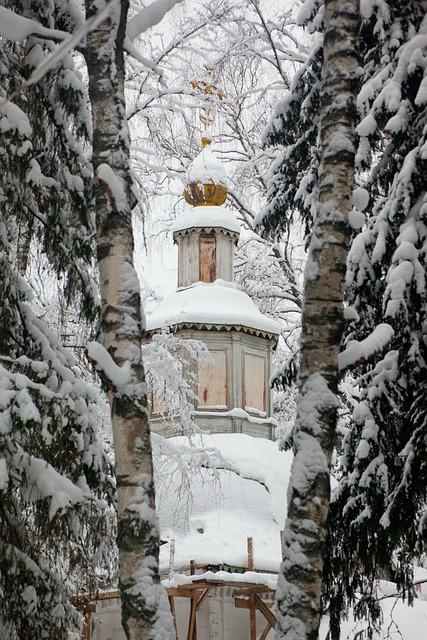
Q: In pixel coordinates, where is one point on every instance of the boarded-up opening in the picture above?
(213, 381)
(254, 382)
(207, 258)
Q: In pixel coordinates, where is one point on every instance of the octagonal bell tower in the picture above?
(233, 388)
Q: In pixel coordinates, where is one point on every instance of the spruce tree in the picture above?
(378, 520)
(56, 485)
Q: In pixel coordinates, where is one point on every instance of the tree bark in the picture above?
(145, 608)
(300, 578)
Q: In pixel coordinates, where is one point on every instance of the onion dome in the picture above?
(206, 180)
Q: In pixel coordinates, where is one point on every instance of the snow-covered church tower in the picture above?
(233, 388)
(220, 495)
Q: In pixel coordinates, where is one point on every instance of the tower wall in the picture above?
(231, 409)
(206, 255)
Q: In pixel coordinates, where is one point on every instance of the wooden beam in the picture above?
(203, 596)
(250, 543)
(263, 607)
(243, 603)
(249, 586)
(266, 631)
(192, 629)
(196, 602)
(86, 627)
(172, 606)
(268, 615)
(252, 617)
(180, 592)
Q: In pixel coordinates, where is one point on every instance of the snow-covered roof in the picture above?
(207, 168)
(246, 499)
(207, 217)
(217, 303)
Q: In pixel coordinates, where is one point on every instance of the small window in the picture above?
(207, 258)
(254, 382)
(213, 381)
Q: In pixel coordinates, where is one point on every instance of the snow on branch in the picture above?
(109, 371)
(149, 17)
(43, 481)
(115, 186)
(17, 28)
(358, 351)
(68, 43)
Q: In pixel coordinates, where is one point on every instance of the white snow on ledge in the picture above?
(237, 412)
(215, 303)
(206, 216)
(248, 577)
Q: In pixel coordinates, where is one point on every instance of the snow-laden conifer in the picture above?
(377, 525)
(55, 482)
(379, 516)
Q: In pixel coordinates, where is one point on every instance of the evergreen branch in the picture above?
(67, 44)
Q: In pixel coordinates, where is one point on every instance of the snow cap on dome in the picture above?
(206, 180)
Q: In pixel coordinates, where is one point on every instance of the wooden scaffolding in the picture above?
(253, 596)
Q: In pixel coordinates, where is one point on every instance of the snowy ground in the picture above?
(245, 496)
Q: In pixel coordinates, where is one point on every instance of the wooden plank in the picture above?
(250, 588)
(180, 592)
(203, 596)
(252, 617)
(243, 603)
(207, 258)
(212, 379)
(192, 629)
(254, 382)
(196, 602)
(86, 627)
(244, 586)
(172, 606)
(268, 615)
(265, 633)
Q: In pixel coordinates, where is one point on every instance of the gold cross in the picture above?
(209, 92)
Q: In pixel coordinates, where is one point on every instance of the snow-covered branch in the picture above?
(358, 351)
(149, 17)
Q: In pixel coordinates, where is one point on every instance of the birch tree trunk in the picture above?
(145, 608)
(300, 578)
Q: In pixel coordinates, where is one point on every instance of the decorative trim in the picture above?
(217, 327)
(205, 229)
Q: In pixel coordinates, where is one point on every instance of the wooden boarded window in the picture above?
(207, 258)
(254, 382)
(213, 381)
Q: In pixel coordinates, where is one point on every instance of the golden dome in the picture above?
(206, 180)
